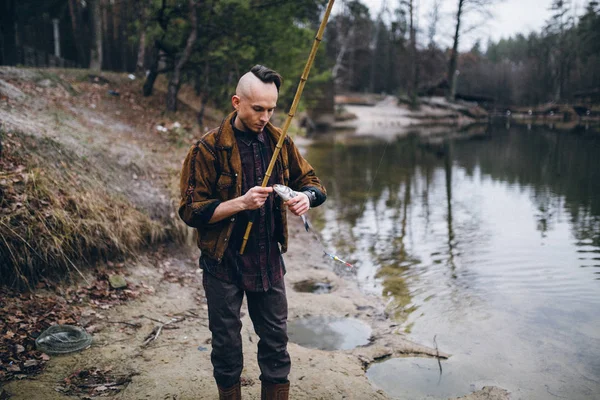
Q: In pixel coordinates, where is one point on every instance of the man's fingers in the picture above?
(260, 189)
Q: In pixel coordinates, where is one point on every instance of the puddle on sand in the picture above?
(312, 286)
(328, 333)
(420, 378)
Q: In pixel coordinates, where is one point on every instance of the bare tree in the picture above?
(96, 48)
(143, 15)
(434, 18)
(345, 36)
(78, 35)
(557, 30)
(175, 80)
(352, 30)
(414, 63)
(465, 7)
(374, 43)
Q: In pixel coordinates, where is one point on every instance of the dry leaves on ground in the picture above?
(93, 382)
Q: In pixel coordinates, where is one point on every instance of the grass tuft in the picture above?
(58, 214)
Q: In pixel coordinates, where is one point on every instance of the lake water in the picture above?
(489, 243)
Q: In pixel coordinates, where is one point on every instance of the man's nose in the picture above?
(264, 117)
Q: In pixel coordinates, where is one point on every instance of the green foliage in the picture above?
(233, 36)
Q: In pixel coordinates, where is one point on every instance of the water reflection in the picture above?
(474, 239)
(328, 333)
(424, 377)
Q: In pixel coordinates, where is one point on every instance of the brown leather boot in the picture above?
(231, 393)
(274, 391)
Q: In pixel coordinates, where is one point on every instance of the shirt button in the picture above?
(225, 239)
(232, 219)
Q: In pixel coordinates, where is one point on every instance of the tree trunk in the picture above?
(108, 40)
(175, 81)
(77, 34)
(141, 55)
(344, 40)
(205, 90)
(200, 116)
(454, 56)
(8, 33)
(414, 69)
(96, 48)
(140, 65)
(152, 71)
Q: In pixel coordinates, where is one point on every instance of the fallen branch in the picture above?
(152, 319)
(132, 324)
(95, 385)
(152, 336)
(437, 355)
(191, 313)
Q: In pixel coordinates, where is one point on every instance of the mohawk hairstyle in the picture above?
(267, 75)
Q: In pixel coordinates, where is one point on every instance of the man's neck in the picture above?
(240, 126)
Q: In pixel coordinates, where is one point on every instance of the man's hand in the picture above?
(299, 204)
(256, 197)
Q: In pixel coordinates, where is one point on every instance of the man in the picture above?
(221, 191)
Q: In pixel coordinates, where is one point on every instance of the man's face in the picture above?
(255, 106)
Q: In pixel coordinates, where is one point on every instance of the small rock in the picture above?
(46, 83)
(30, 363)
(117, 282)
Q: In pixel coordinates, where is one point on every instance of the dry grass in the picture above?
(58, 214)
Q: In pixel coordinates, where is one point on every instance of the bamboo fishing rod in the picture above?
(292, 112)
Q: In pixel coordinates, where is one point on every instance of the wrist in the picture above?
(242, 206)
(312, 197)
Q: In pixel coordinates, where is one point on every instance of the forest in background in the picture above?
(209, 44)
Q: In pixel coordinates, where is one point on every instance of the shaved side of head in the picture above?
(247, 84)
(258, 73)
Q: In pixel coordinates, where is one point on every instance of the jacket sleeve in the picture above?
(302, 175)
(198, 202)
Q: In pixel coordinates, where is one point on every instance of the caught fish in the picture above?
(286, 193)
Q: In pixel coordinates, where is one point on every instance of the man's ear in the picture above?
(235, 101)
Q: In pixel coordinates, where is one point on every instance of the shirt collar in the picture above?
(247, 137)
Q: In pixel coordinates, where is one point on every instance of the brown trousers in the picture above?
(268, 311)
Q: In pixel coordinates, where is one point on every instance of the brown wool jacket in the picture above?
(212, 172)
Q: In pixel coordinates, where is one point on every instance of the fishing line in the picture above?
(286, 193)
(387, 143)
(309, 228)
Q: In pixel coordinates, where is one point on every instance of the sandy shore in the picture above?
(388, 119)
